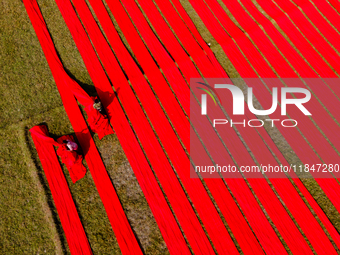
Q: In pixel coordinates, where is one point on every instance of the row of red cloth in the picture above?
(70, 91)
(204, 59)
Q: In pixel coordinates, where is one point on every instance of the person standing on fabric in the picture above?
(68, 215)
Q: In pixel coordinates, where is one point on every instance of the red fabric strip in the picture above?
(214, 27)
(303, 151)
(148, 65)
(217, 186)
(98, 122)
(284, 47)
(266, 24)
(171, 43)
(272, 205)
(321, 117)
(188, 41)
(125, 237)
(159, 28)
(316, 208)
(201, 202)
(171, 236)
(179, 58)
(168, 39)
(208, 62)
(263, 69)
(188, 22)
(315, 17)
(139, 22)
(327, 153)
(69, 218)
(165, 62)
(307, 30)
(335, 4)
(324, 7)
(299, 41)
(246, 22)
(319, 114)
(236, 222)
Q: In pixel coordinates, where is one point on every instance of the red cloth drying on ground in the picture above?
(74, 231)
(98, 122)
(335, 4)
(225, 201)
(308, 32)
(302, 215)
(328, 36)
(163, 215)
(174, 47)
(317, 62)
(174, 191)
(72, 159)
(121, 227)
(228, 49)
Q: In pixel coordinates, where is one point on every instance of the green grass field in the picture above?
(29, 223)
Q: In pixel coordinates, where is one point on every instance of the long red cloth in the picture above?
(163, 216)
(285, 48)
(98, 122)
(299, 41)
(315, 138)
(243, 237)
(211, 183)
(310, 33)
(179, 53)
(157, 25)
(326, 154)
(335, 4)
(190, 25)
(254, 11)
(181, 58)
(322, 28)
(246, 22)
(292, 206)
(319, 114)
(299, 145)
(171, 141)
(330, 14)
(124, 23)
(294, 140)
(203, 57)
(170, 184)
(138, 22)
(125, 237)
(234, 218)
(69, 218)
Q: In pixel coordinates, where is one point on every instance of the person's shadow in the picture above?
(106, 97)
